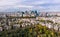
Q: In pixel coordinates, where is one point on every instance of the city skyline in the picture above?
(39, 5)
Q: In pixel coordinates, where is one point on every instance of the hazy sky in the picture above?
(42, 5)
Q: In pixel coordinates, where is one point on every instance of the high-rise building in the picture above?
(36, 13)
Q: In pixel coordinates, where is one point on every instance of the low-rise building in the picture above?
(1, 29)
(7, 27)
(16, 26)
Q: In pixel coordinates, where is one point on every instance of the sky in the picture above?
(39, 5)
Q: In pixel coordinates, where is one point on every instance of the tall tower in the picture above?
(7, 20)
(36, 13)
(22, 14)
(46, 14)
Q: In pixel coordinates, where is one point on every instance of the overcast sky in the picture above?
(40, 5)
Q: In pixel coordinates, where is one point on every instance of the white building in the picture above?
(1, 29)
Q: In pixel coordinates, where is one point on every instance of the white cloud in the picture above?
(12, 3)
(56, 1)
(8, 2)
(23, 6)
(40, 2)
(32, 4)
